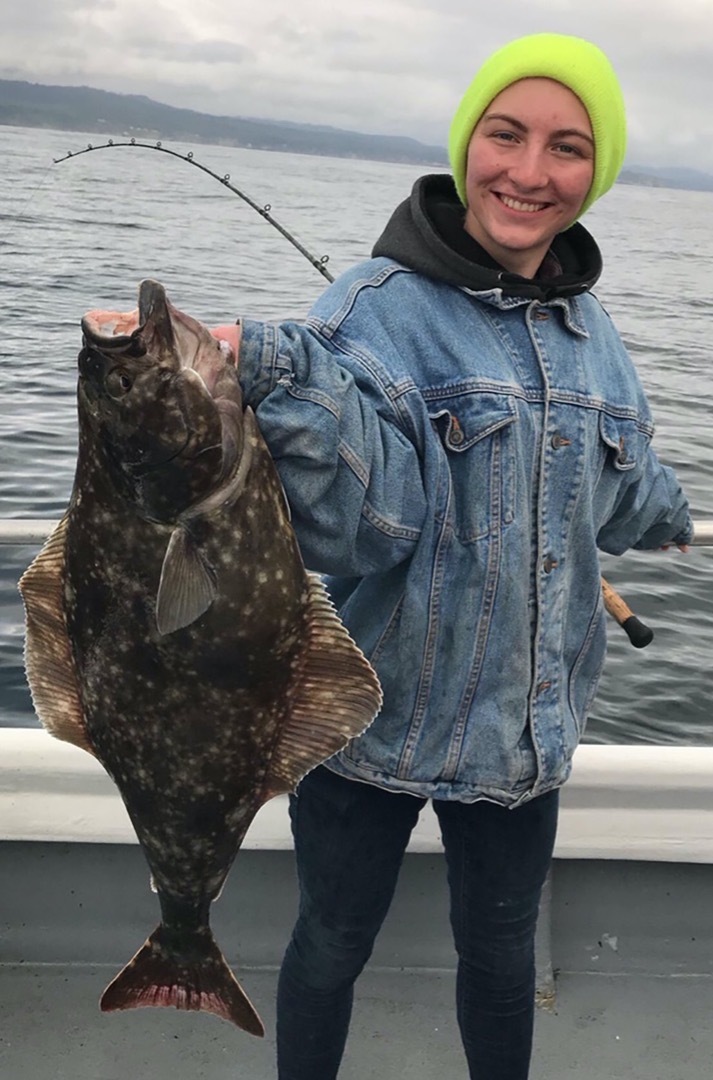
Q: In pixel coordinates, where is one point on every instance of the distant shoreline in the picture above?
(72, 108)
(111, 115)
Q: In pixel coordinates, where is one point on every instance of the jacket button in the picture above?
(549, 563)
(541, 687)
(455, 432)
(559, 440)
(542, 315)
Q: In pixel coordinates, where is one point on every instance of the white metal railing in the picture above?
(621, 802)
(36, 530)
(25, 530)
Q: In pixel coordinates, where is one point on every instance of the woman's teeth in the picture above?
(515, 204)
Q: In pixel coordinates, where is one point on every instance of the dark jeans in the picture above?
(350, 839)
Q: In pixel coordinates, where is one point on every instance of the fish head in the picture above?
(159, 403)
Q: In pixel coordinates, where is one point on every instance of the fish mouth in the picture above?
(98, 329)
(112, 332)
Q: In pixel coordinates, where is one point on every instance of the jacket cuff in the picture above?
(686, 534)
(257, 365)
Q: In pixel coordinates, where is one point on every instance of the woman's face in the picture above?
(529, 169)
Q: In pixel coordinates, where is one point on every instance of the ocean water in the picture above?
(82, 233)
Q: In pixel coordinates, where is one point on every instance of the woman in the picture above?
(459, 430)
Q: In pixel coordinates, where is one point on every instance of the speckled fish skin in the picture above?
(173, 632)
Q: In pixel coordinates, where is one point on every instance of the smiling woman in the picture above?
(529, 170)
(459, 431)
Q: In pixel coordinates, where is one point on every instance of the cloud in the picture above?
(386, 66)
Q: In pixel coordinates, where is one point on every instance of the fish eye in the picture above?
(118, 382)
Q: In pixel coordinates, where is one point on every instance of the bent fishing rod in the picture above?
(319, 263)
(638, 633)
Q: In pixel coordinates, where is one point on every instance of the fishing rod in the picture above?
(319, 263)
(638, 633)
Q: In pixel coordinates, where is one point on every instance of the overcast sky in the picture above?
(388, 66)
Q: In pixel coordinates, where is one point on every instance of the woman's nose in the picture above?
(529, 170)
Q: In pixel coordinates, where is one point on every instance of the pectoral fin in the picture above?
(336, 697)
(49, 659)
(187, 587)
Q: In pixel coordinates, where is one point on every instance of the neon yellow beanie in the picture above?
(575, 63)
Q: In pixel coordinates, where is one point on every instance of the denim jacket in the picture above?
(454, 459)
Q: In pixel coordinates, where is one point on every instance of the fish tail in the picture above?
(196, 976)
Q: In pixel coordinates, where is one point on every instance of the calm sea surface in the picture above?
(82, 233)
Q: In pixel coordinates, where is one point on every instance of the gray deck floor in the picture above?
(633, 942)
(604, 1027)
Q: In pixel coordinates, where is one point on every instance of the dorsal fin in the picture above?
(336, 697)
(49, 660)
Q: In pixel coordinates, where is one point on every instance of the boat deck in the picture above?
(632, 943)
(603, 1028)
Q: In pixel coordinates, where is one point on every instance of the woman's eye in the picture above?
(568, 149)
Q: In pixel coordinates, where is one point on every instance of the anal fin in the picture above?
(336, 697)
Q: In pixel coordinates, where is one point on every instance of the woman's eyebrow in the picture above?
(508, 119)
(567, 133)
(561, 133)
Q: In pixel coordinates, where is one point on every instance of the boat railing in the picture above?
(623, 802)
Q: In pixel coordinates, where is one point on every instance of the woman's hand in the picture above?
(230, 333)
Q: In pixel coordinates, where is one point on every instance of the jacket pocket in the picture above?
(475, 429)
(625, 443)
